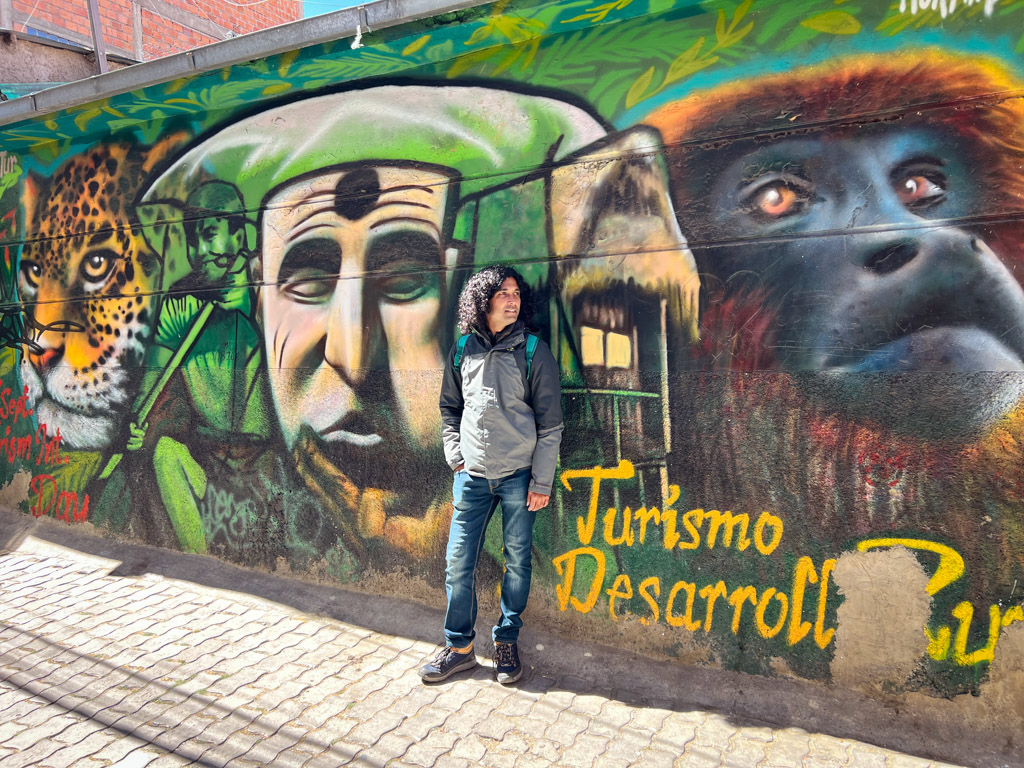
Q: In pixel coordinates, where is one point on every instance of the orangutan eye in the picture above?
(776, 198)
(30, 276)
(920, 191)
(96, 267)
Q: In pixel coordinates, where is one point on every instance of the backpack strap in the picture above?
(531, 347)
(460, 347)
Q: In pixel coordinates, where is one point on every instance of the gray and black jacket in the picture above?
(489, 422)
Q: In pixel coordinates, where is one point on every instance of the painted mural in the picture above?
(777, 248)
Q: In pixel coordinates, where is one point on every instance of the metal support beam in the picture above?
(97, 36)
(268, 42)
(6, 14)
(185, 18)
(137, 34)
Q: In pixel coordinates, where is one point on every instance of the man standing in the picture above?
(502, 425)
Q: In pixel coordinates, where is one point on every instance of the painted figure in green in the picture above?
(203, 379)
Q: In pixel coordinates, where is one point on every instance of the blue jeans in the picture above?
(475, 499)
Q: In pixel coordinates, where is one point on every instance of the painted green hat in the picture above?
(487, 136)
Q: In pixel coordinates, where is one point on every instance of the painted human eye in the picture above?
(309, 270)
(309, 286)
(30, 275)
(96, 267)
(920, 191)
(408, 264)
(406, 287)
(776, 199)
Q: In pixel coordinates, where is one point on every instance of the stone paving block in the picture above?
(118, 748)
(368, 707)
(515, 706)
(139, 758)
(78, 732)
(172, 716)
(319, 670)
(566, 727)
(236, 680)
(742, 752)
(469, 748)
(789, 747)
(909, 761)
(546, 749)
(265, 751)
(702, 756)
(628, 744)
(826, 752)
(70, 755)
(676, 732)
(418, 726)
(317, 715)
(426, 751)
(559, 699)
(334, 730)
(369, 731)
(449, 761)
(465, 720)
(33, 755)
(589, 704)
(220, 754)
(514, 741)
(338, 755)
(389, 747)
(584, 751)
(649, 718)
(495, 726)
(867, 756)
(11, 729)
(53, 725)
(659, 758)
(499, 758)
(169, 761)
(532, 761)
(491, 694)
(715, 734)
(455, 696)
(411, 703)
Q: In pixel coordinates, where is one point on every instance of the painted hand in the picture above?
(138, 435)
(535, 501)
(460, 467)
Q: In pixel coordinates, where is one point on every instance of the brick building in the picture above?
(140, 30)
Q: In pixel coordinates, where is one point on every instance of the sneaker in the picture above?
(447, 662)
(507, 667)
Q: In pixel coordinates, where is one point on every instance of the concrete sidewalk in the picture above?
(102, 667)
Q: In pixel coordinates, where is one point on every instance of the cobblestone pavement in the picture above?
(104, 670)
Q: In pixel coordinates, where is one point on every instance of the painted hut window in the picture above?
(607, 350)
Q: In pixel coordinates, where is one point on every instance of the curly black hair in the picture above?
(475, 299)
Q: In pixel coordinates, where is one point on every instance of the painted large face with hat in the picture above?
(363, 202)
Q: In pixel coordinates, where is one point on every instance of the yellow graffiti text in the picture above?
(945, 639)
(693, 608)
(712, 528)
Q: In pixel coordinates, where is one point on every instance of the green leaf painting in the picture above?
(574, 46)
